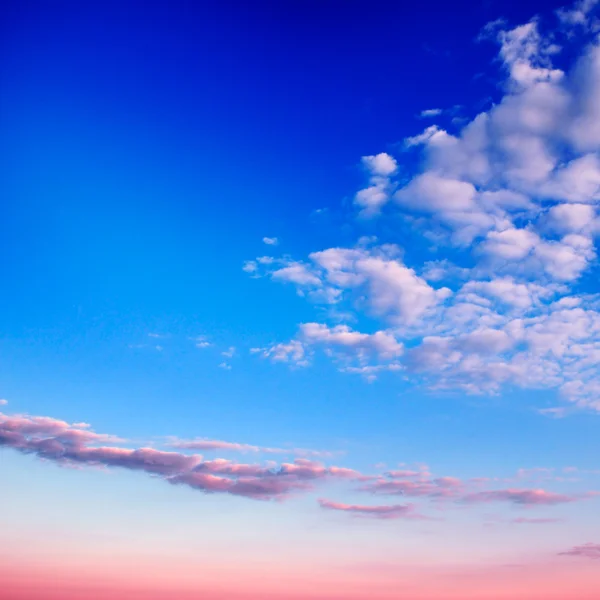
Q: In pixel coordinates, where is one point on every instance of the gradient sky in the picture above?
(300, 300)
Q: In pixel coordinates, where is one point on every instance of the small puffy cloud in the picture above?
(426, 136)
(270, 241)
(296, 273)
(3, 402)
(293, 351)
(431, 112)
(250, 266)
(225, 366)
(383, 344)
(229, 352)
(201, 341)
(372, 198)
(588, 550)
(381, 164)
(354, 349)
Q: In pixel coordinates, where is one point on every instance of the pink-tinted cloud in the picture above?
(588, 550)
(534, 521)
(23, 429)
(402, 474)
(308, 469)
(537, 497)
(390, 511)
(208, 445)
(144, 459)
(441, 487)
(75, 444)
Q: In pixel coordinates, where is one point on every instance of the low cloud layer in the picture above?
(76, 444)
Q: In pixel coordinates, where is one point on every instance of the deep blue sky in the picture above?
(148, 148)
(148, 153)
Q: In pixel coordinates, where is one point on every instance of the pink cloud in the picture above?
(402, 474)
(537, 497)
(391, 511)
(534, 521)
(588, 550)
(76, 444)
(145, 459)
(441, 487)
(208, 445)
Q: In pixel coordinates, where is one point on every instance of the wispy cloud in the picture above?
(525, 497)
(389, 511)
(201, 341)
(76, 444)
(431, 112)
(535, 521)
(588, 550)
(207, 445)
(73, 444)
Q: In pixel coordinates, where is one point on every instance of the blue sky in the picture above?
(155, 155)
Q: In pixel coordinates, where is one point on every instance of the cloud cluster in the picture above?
(514, 197)
(76, 444)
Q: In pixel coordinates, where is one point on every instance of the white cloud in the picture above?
(201, 341)
(515, 194)
(431, 193)
(431, 112)
(354, 349)
(428, 134)
(292, 351)
(270, 241)
(571, 218)
(3, 402)
(372, 198)
(381, 164)
(510, 244)
(250, 266)
(579, 15)
(381, 343)
(296, 273)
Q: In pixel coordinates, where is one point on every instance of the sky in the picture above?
(299, 300)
